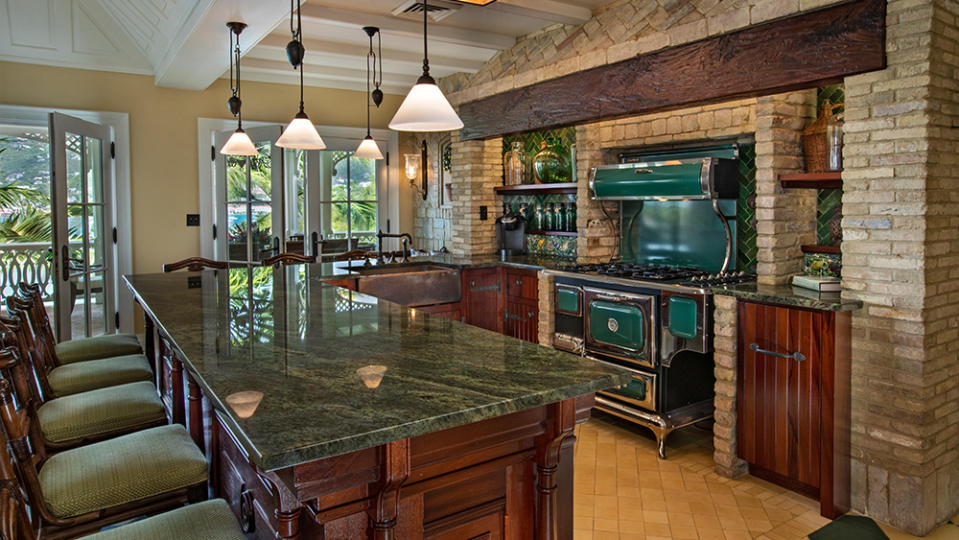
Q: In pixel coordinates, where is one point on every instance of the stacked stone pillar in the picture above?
(477, 167)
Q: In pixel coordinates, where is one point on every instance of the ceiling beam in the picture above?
(198, 54)
(402, 27)
(402, 81)
(405, 60)
(802, 51)
(547, 10)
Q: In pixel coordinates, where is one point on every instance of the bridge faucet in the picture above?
(407, 241)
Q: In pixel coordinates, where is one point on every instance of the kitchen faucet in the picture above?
(407, 241)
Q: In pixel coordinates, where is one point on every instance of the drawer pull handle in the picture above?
(797, 356)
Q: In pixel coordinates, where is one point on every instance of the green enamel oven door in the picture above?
(619, 325)
(641, 391)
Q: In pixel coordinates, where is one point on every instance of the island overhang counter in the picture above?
(333, 414)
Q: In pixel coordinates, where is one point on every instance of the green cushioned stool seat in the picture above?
(98, 412)
(93, 348)
(121, 470)
(208, 520)
(96, 374)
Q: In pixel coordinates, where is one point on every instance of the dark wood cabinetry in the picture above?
(447, 311)
(503, 300)
(481, 298)
(793, 391)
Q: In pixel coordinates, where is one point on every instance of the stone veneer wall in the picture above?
(432, 223)
(477, 169)
(725, 357)
(901, 258)
(547, 319)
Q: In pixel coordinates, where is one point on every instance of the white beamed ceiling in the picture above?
(183, 43)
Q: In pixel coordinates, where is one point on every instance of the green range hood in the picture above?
(677, 179)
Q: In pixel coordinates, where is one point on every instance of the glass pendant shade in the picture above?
(301, 134)
(426, 109)
(368, 149)
(239, 144)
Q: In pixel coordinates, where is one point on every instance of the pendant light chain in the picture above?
(426, 56)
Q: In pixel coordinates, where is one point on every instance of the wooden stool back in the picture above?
(196, 264)
(19, 371)
(287, 259)
(14, 522)
(31, 302)
(356, 254)
(33, 351)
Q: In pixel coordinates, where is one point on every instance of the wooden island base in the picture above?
(508, 477)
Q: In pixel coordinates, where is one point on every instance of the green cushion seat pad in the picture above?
(121, 470)
(93, 348)
(208, 520)
(96, 374)
(97, 412)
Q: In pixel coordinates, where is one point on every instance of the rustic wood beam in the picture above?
(802, 51)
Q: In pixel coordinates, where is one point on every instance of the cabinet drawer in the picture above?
(521, 285)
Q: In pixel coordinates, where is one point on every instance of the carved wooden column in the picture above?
(176, 381)
(288, 508)
(395, 469)
(288, 524)
(149, 347)
(562, 419)
(196, 413)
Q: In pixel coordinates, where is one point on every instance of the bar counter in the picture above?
(335, 400)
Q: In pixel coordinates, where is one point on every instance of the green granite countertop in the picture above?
(789, 295)
(341, 371)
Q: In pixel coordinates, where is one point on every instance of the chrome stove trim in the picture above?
(649, 332)
(729, 236)
(635, 283)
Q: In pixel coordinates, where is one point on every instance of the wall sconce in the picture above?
(416, 165)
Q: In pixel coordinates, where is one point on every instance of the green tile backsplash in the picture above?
(746, 209)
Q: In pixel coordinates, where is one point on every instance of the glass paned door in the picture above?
(249, 203)
(82, 201)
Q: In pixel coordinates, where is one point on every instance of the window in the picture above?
(348, 202)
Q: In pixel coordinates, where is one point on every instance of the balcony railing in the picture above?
(26, 262)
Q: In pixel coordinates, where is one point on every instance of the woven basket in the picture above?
(815, 142)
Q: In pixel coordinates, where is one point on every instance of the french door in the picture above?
(84, 238)
(249, 200)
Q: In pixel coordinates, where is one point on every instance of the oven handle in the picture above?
(797, 356)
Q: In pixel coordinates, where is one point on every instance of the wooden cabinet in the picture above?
(793, 394)
(481, 298)
(503, 300)
(447, 311)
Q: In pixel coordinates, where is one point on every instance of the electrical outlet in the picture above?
(193, 220)
(194, 282)
(484, 213)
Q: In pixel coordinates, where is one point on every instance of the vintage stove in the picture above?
(652, 311)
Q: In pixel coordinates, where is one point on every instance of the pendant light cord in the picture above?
(298, 37)
(370, 56)
(236, 91)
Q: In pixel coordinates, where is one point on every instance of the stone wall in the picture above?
(477, 169)
(901, 257)
(725, 356)
(432, 222)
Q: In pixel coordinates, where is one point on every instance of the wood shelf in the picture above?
(537, 189)
(820, 180)
(811, 248)
(553, 233)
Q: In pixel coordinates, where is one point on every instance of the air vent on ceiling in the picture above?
(438, 9)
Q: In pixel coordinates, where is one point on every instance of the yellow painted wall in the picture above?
(163, 136)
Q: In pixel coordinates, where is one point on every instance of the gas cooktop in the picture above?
(676, 275)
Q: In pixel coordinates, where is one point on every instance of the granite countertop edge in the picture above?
(788, 295)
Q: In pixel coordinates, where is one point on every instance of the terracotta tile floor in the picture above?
(623, 491)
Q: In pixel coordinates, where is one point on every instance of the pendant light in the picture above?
(300, 133)
(239, 144)
(425, 107)
(368, 148)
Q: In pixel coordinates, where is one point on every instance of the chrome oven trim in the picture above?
(646, 303)
(649, 379)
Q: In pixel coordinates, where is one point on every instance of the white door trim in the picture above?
(120, 124)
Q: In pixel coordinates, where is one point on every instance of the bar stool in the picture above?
(287, 259)
(75, 350)
(196, 264)
(58, 380)
(81, 490)
(208, 520)
(81, 418)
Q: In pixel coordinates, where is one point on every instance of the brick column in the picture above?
(477, 167)
(547, 319)
(901, 257)
(725, 327)
(598, 238)
(785, 219)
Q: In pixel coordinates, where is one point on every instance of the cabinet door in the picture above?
(521, 284)
(481, 298)
(447, 311)
(520, 320)
(779, 388)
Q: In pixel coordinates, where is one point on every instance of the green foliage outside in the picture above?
(24, 189)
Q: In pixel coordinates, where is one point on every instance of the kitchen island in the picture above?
(337, 415)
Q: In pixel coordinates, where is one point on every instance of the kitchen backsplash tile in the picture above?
(551, 246)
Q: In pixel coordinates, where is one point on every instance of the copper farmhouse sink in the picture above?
(411, 285)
